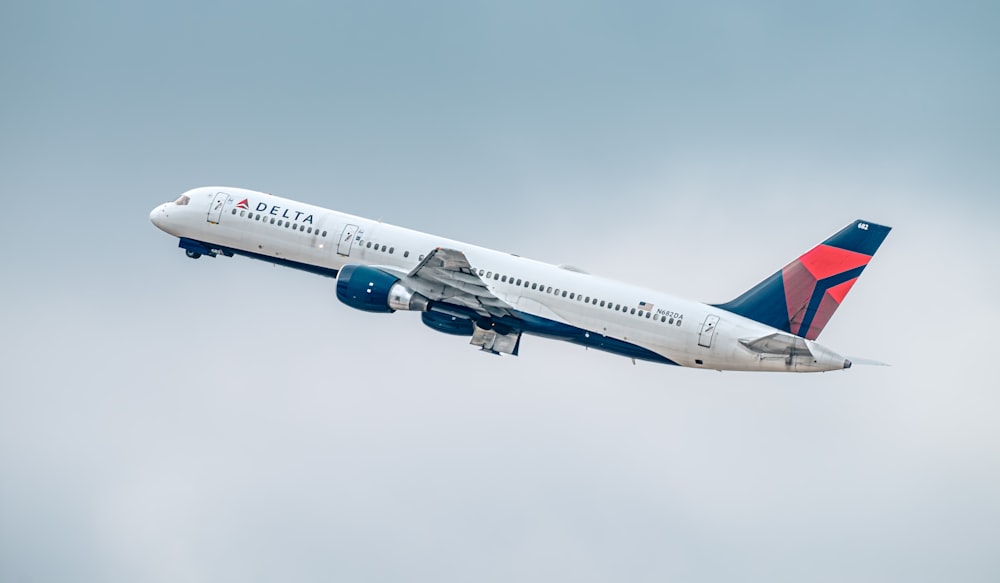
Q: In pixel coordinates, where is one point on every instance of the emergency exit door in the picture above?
(708, 331)
(215, 211)
(346, 240)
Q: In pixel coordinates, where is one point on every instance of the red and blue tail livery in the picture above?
(802, 297)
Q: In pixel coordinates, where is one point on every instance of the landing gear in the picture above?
(493, 341)
(195, 249)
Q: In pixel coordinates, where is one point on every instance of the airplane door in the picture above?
(215, 211)
(346, 240)
(708, 331)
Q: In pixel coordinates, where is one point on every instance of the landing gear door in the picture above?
(708, 331)
(346, 240)
(215, 211)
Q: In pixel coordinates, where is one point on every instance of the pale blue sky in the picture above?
(224, 420)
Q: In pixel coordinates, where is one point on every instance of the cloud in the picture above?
(165, 419)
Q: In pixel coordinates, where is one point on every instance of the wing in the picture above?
(445, 275)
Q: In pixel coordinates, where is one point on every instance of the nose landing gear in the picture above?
(195, 249)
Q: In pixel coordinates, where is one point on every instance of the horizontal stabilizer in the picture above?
(783, 344)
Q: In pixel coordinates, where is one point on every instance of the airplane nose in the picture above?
(157, 215)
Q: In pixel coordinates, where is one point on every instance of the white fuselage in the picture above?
(680, 331)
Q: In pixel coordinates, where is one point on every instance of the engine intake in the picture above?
(373, 290)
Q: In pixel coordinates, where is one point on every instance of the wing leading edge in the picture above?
(445, 275)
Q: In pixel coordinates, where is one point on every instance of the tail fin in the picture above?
(802, 297)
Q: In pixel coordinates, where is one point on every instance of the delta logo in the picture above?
(277, 211)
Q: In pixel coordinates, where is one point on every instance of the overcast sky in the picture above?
(163, 419)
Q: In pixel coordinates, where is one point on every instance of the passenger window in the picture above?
(279, 223)
(633, 311)
(648, 314)
(272, 221)
(234, 211)
(489, 274)
(288, 224)
(243, 213)
(572, 296)
(496, 277)
(295, 227)
(534, 286)
(602, 303)
(549, 290)
(481, 272)
(618, 306)
(421, 257)
(518, 282)
(406, 253)
(369, 244)
(504, 279)
(383, 248)
(564, 293)
(324, 233)
(392, 250)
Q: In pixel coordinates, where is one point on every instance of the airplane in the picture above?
(494, 298)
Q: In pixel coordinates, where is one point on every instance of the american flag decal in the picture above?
(645, 306)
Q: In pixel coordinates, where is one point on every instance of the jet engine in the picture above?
(448, 323)
(373, 290)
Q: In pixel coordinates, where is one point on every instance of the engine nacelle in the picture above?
(373, 290)
(448, 324)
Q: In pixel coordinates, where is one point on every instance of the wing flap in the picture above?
(447, 275)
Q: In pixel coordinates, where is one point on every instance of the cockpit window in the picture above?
(183, 200)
